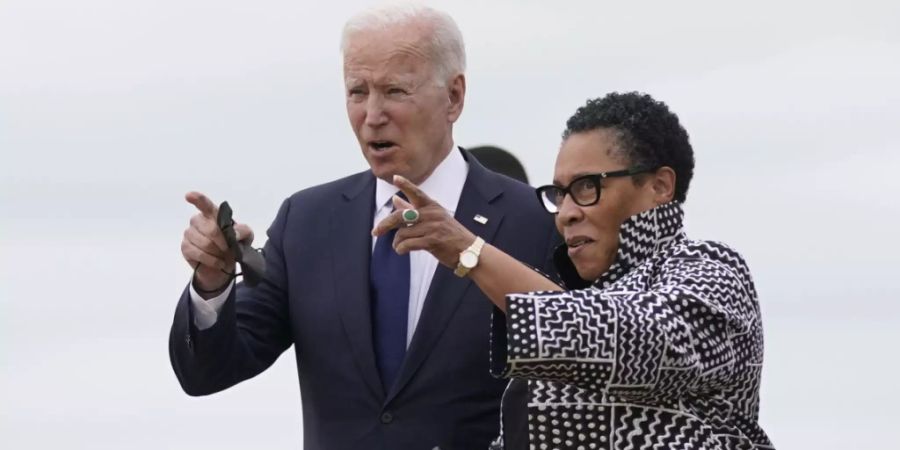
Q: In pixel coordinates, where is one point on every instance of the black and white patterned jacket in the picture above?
(663, 351)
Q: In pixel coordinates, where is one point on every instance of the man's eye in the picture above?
(396, 91)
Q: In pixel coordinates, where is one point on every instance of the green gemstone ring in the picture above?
(410, 217)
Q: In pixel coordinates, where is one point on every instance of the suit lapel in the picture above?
(447, 290)
(351, 246)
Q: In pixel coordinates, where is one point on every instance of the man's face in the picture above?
(402, 118)
(592, 232)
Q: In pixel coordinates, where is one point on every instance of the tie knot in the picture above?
(390, 202)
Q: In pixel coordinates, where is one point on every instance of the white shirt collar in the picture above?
(444, 185)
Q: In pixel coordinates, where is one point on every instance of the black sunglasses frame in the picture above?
(595, 178)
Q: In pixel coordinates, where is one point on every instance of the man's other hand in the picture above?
(203, 245)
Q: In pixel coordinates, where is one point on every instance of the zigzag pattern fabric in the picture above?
(664, 351)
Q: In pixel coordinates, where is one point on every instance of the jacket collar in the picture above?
(640, 236)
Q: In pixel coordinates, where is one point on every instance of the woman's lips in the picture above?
(577, 244)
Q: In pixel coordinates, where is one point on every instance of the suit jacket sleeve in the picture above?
(252, 330)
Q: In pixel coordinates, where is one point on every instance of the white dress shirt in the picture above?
(444, 185)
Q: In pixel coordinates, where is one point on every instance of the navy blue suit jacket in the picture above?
(317, 298)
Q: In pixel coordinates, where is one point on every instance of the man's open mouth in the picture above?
(380, 146)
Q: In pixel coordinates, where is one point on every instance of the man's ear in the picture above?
(663, 184)
(456, 90)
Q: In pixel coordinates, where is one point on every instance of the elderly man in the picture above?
(391, 349)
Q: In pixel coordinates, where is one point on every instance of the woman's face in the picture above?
(592, 232)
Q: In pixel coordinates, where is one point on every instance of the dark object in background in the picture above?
(253, 264)
(500, 161)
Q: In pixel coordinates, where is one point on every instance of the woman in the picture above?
(662, 346)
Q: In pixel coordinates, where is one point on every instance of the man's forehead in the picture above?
(384, 52)
(397, 64)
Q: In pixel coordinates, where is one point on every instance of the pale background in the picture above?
(110, 110)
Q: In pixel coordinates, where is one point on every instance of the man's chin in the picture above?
(381, 169)
(387, 172)
(383, 172)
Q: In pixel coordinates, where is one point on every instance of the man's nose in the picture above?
(375, 113)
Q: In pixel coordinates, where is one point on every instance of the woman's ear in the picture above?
(663, 185)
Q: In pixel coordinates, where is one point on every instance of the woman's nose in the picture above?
(569, 211)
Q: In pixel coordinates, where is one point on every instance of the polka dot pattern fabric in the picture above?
(663, 351)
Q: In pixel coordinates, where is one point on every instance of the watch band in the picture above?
(474, 249)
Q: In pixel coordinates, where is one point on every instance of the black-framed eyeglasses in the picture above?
(584, 190)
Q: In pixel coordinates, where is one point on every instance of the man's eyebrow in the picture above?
(351, 80)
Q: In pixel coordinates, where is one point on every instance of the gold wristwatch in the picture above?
(468, 258)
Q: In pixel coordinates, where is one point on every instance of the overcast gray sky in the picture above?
(111, 109)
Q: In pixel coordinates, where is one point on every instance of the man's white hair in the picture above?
(448, 52)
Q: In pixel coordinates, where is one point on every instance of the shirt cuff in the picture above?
(206, 311)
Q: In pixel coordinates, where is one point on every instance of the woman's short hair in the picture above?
(648, 134)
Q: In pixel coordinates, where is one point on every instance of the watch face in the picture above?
(468, 260)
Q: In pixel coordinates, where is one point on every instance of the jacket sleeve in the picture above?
(692, 330)
(251, 331)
